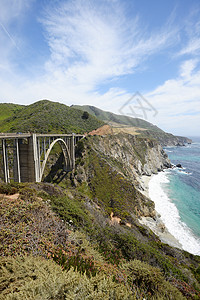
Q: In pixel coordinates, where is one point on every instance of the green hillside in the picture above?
(45, 116)
(9, 109)
(111, 117)
(152, 131)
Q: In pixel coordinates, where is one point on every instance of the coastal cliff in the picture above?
(136, 159)
(166, 139)
(139, 156)
(83, 234)
(127, 124)
(131, 156)
(86, 229)
(114, 160)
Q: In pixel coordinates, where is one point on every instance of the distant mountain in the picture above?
(45, 116)
(151, 131)
(109, 117)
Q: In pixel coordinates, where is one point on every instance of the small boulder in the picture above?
(179, 166)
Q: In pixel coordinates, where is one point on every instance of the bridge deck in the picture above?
(27, 135)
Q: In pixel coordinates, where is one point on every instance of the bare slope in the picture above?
(146, 129)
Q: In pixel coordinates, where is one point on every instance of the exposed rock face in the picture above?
(117, 162)
(166, 139)
(132, 157)
(155, 160)
(136, 156)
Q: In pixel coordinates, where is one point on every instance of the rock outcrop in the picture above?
(136, 156)
(117, 162)
(114, 161)
(166, 139)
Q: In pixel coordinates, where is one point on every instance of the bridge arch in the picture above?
(65, 151)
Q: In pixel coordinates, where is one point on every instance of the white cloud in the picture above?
(178, 100)
(193, 47)
(191, 34)
(188, 67)
(91, 43)
(10, 10)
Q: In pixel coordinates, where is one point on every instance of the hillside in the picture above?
(45, 117)
(120, 121)
(9, 109)
(82, 239)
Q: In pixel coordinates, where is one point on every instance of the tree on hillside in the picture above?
(85, 115)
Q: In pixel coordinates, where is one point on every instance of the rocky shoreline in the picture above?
(136, 159)
(156, 224)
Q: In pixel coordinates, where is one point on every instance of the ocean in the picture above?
(176, 193)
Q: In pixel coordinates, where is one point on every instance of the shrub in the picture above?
(36, 278)
(79, 148)
(76, 261)
(29, 226)
(150, 281)
(8, 189)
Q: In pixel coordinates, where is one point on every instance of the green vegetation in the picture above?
(9, 109)
(120, 119)
(114, 193)
(151, 131)
(29, 226)
(45, 117)
(101, 260)
(34, 278)
(81, 239)
(52, 117)
(151, 280)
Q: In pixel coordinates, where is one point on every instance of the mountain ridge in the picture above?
(165, 139)
(45, 116)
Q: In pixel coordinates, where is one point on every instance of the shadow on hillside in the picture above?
(57, 171)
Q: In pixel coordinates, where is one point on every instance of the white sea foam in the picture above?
(170, 215)
(185, 173)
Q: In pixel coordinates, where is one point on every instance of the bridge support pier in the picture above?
(5, 161)
(16, 162)
(28, 160)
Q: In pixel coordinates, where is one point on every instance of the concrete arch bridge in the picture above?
(31, 152)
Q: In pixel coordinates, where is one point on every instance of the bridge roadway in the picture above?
(27, 154)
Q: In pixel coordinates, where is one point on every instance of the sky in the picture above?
(140, 58)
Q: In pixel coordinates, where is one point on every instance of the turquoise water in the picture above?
(187, 200)
(183, 185)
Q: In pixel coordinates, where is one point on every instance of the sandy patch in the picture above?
(144, 181)
(103, 130)
(158, 227)
(13, 197)
(107, 129)
(114, 220)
